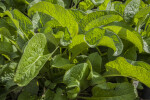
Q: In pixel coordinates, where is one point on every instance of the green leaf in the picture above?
(146, 43)
(21, 1)
(59, 13)
(16, 25)
(59, 96)
(142, 13)
(113, 91)
(5, 32)
(32, 87)
(5, 48)
(93, 16)
(35, 20)
(52, 24)
(131, 9)
(7, 73)
(66, 38)
(86, 5)
(97, 79)
(77, 14)
(93, 36)
(106, 5)
(49, 95)
(26, 95)
(78, 45)
(103, 20)
(67, 3)
(131, 54)
(76, 1)
(76, 79)
(61, 63)
(134, 69)
(3, 23)
(2, 6)
(96, 61)
(112, 40)
(24, 22)
(97, 2)
(127, 33)
(32, 60)
(118, 7)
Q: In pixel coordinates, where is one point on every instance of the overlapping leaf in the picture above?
(126, 32)
(65, 19)
(76, 79)
(136, 70)
(93, 36)
(99, 17)
(113, 91)
(112, 40)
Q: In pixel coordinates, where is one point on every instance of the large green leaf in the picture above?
(32, 60)
(134, 69)
(93, 16)
(93, 36)
(112, 40)
(113, 91)
(59, 13)
(126, 32)
(131, 9)
(103, 20)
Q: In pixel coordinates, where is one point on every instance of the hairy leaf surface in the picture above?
(93, 36)
(126, 32)
(32, 60)
(65, 19)
(131, 9)
(112, 40)
(136, 70)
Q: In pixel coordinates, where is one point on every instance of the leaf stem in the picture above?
(60, 50)
(99, 51)
(16, 45)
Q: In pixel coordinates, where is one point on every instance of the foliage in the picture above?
(74, 49)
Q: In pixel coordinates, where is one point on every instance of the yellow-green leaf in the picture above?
(32, 60)
(59, 13)
(134, 69)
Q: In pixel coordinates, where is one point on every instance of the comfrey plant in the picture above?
(74, 49)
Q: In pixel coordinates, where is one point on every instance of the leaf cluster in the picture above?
(74, 49)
